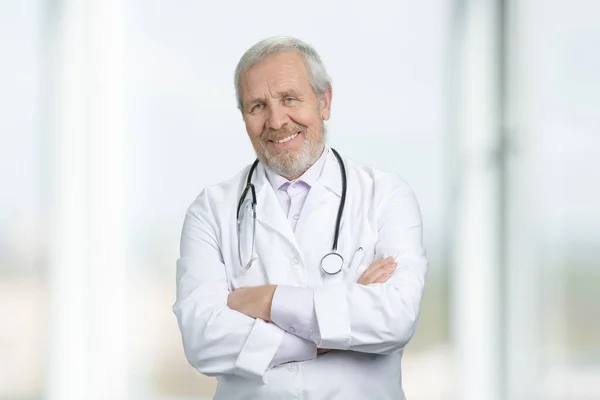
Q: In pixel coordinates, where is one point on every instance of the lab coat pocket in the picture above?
(363, 259)
(360, 257)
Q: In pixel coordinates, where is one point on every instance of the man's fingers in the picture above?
(376, 269)
(380, 262)
(375, 265)
(382, 274)
(366, 276)
(385, 275)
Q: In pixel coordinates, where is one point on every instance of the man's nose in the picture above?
(277, 117)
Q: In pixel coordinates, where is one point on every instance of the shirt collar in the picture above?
(309, 177)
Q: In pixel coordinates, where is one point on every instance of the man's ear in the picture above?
(325, 103)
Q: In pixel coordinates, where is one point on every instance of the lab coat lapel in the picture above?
(269, 212)
(320, 209)
(331, 177)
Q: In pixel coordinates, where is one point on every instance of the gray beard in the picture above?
(291, 164)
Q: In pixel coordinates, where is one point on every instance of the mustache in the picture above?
(285, 131)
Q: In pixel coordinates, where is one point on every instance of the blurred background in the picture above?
(115, 114)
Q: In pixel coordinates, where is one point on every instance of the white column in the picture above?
(476, 286)
(68, 317)
(522, 269)
(87, 354)
(107, 201)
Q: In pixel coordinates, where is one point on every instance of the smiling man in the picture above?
(302, 276)
(284, 115)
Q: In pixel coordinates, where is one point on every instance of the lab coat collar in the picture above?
(309, 177)
(269, 211)
(330, 177)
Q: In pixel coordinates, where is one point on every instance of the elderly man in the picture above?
(301, 277)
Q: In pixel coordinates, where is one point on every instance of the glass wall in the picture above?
(561, 62)
(22, 240)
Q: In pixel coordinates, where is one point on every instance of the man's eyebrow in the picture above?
(256, 99)
(261, 99)
(287, 92)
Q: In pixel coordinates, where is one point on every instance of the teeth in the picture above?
(287, 139)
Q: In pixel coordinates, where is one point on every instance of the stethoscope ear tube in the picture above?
(342, 202)
(249, 186)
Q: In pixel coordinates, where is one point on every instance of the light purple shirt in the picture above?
(300, 326)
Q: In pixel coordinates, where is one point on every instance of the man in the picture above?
(258, 305)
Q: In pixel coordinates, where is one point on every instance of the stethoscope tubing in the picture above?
(250, 187)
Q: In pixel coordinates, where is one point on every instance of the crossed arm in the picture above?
(231, 333)
(256, 302)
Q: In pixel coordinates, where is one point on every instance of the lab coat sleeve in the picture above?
(216, 339)
(293, 311)
(294, 348)
(378, 318)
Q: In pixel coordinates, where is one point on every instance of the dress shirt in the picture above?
(291, 196)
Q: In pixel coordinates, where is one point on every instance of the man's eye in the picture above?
(289, 100)
(257, 107)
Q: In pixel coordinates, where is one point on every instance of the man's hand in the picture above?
(255, 302)
(379, 271)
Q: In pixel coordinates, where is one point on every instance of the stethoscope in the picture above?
(332, 262)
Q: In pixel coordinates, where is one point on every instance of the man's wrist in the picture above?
(269, 293)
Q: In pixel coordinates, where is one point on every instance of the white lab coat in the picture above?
(369, 325)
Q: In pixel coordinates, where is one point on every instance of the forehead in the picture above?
(278, 72)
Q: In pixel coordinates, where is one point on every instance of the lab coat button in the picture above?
(292, 329)
(293, 367)
(294, 261)
(296, 216)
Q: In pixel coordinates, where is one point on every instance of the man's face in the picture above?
(283, 115)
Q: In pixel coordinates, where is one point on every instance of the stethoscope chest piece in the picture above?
(332, 263)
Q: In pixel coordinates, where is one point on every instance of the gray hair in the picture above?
(319, 80)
